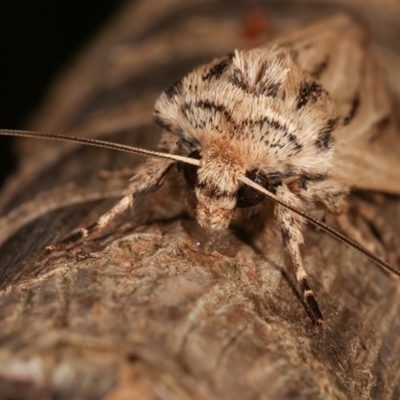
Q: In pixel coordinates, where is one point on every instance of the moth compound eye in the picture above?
(248, 196)
(190, 171)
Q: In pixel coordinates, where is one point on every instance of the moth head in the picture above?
(217, 186)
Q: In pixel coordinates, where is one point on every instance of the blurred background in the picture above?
(50, 34)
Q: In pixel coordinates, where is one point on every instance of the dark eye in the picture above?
(246, 195)
(189, 170)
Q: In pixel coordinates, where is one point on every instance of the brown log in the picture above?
(161, 308)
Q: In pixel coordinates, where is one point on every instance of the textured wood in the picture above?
(161, 308)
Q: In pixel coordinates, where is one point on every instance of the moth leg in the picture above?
(302, 279)
(292, 236)
(148, 178)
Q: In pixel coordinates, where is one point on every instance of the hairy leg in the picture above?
(291, 225)
(147, 178)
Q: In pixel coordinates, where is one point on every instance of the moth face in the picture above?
(218, 189)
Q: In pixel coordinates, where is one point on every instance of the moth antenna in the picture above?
(339, 236)
(99, 143)
(136, 150)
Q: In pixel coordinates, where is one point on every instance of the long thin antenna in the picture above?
(99, 143)
(339, 236)
(130, 149)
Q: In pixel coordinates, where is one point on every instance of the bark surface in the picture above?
(161, 309)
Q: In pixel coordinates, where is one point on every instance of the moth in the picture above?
(300, 121)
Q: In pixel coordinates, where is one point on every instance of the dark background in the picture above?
(37, 40)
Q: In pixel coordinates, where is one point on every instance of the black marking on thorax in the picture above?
(218, 69)
(174, 89)
(325, 140)
(293, 139)
(275, 124)
(220, 108)
(239, 79)
(191, 144)
(273, 89)
(309, 91)
(168, 126)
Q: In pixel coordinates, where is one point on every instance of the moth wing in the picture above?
(337, 53)
(368, 147)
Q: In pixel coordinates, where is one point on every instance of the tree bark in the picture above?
(161, 308)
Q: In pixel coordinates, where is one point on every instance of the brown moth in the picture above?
(302, 121)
